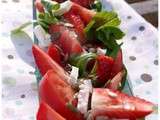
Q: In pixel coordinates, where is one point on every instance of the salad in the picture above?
(80, 63)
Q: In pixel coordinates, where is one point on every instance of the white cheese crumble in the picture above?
(44, 38)
(64, 7)
(101, 51)
(83, 96)
(74, 75)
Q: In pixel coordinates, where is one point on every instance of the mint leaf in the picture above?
(97, 5)
(50, 5)
(81, 62)
(104, 28)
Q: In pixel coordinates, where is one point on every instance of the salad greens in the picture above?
(97, 5)
(104, 28)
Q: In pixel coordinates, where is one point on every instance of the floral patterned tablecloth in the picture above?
(19, 88)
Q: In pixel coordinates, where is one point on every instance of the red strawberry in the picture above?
(85, 14)
(68, 42)
(118, 64)
(77, 22)
(114, 104)
(39, 6)
(54, 53)
(104, 66)
(84, 3)
(45, 112)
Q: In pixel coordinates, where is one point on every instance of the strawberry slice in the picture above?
(45, 112)
(39, 6)
(68, 42)
(85, 14)
(44, 62)
(77, 22)
(114, 104)
(104, 66)
(118, 64)
(57, 93)
(54, 53)
(84, 3)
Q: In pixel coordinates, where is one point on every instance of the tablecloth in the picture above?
(19, 87)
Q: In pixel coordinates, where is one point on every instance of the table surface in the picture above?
(19, 87)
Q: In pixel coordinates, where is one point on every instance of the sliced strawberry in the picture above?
(39, 6)
(114, 104)
(118, 64)
(83, 12)
(78, 24)
(45, 112)
(104, 66)
(84, 3)
(54, 53)
(57, 94)
(115, 82)
(68, 42)
(44, 62)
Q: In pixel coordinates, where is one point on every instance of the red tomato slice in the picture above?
(114, 104)
(54, 53)
(68, 43)
(118, 64)
(78, 24)
(39, 6)
(45, 112)
(44, 62)
(57, 93)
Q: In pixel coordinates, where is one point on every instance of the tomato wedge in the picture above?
(68, 42)
(57, 93)
(44, 62)
(106, 102)
(45, 112)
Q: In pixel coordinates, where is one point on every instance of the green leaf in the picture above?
(50, 5)
(97, 5)
(82, 61)
(114, 52)
(104, 27)
(89, 31)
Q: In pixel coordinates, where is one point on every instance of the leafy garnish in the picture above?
(81, 62)
(97, 5)
(104, 28)
(71, 107)
(47, 18)
(50, 5)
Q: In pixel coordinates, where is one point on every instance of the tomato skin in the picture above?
(39, 6)
(45, 112)
(44, 62)
(54, 53)
(56, 92)
(114, 104)
(69, 44)
(118, 64)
